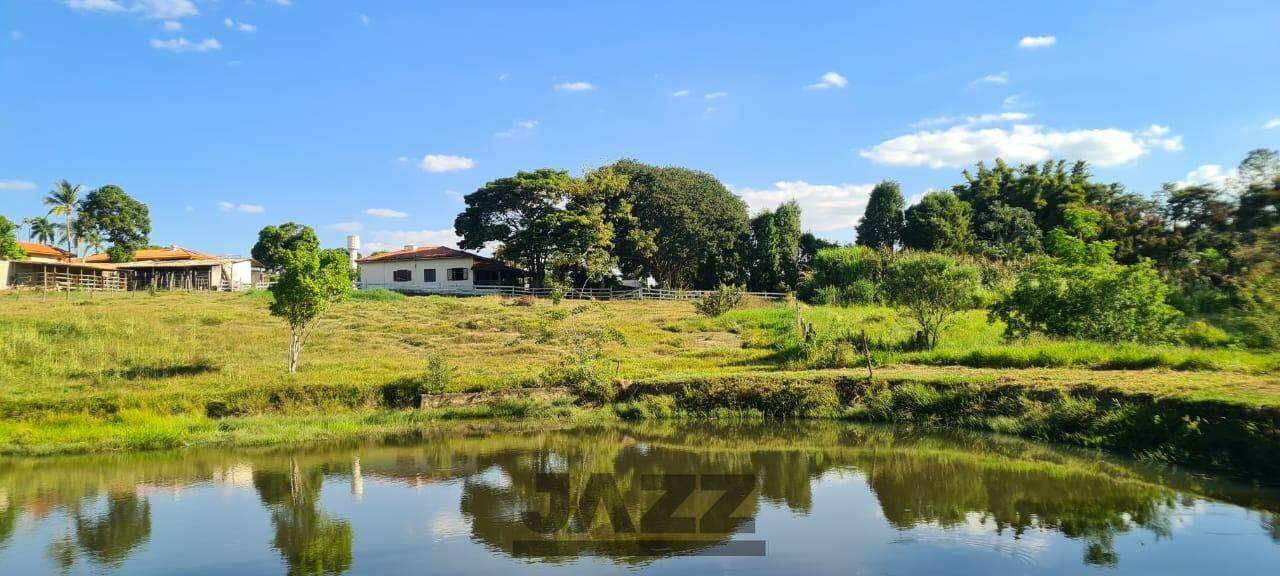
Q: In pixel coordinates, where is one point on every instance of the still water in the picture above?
(665, 498)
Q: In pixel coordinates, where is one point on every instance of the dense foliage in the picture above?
(275, 243)
(108, 213)
(1099, 301)
(9, 249)
(721, 300)
(881, 225)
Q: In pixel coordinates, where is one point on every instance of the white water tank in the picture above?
(353, 249)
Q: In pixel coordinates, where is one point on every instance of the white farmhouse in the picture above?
(434, 269)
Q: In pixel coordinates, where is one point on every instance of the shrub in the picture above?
(931, 288)
(841, 268)
(1105, 301)
(438, 376)
(720, 300)
(1204, 335)
(557, 289)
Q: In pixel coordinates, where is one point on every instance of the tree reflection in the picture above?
(310, 541)
(919, 482)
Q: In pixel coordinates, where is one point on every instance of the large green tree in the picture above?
(939, 222)
(693, 232)
(881, 225)
(275, 243)
(516, 211)
(119, 218)
(775, 248)
(9, 249)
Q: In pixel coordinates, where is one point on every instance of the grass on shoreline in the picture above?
(132, 371)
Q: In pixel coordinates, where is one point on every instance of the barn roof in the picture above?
(157, 255)
(37, 250)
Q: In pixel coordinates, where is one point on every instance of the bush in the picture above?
(1204, 335)
(720, 300)
(1104, 301)
(557, 289)
(931, 288)
(839, 269)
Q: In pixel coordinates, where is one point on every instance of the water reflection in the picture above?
(88, 514)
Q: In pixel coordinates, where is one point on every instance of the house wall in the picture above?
(4, 274)
(380, 274)
(242, 275)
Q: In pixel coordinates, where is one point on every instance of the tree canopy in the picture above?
(692, 230)
(939, 222)
(9, 249)
(275, 243)
(311, 280)
(116, 217)
(881, 225)
(519, 212)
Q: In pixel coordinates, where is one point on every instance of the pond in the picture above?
(666, 497)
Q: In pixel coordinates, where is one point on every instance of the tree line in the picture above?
(679, 226)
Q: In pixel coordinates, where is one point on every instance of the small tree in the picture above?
(719, 301)
(310, 282)
(9, 249)
(931, 288)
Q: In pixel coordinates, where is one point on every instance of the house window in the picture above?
(429, 275)
(402, 275)
(457, 274)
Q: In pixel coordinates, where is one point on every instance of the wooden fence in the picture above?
(573, 294)
(70, 281)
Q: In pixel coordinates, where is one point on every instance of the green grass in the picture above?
(135, 371)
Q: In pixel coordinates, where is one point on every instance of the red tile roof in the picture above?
(157, 255)
(423, 253)
(37, 250)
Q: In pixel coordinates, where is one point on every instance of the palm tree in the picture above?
(42, 230)
(92, 240)
(62, 201)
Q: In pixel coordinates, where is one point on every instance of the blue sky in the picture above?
(224, 116)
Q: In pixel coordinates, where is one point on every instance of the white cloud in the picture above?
(446, 163)
(575, 86)
(1157, 136)
(503, 77)
(963, 145)
(1036, 42)
(715, 95)
(385, 213)
(823, 207)
(284, 2)
(829, 80)
(347, 227)
(225, 206)
(397, 239)
(990, 118)
(1272, 125)
(172, 25)
(517, 128)
(1210, 174)
(95, 5)
(17, 185)
(181, 44)
(364, 19)
(245, 27)
(680, 93)
(1001, 78)
(15, 35)
(1015, 101)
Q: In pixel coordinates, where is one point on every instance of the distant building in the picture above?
(175, 268)
(428, 269)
